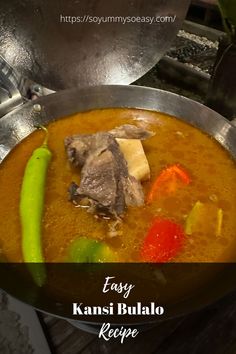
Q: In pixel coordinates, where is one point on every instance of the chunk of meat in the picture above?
(105, 183)
(79, 146)
(133, 192)
(99, 185)
(130, 131)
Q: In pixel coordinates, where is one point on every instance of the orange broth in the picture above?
(213, 177)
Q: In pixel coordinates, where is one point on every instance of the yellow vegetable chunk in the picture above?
(134, 154)
(205, 218)
(193, 217)
(219, 222)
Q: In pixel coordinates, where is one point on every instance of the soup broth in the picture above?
(212, 172)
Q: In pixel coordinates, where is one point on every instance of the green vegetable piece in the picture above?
(85, 250)
(204, 217)
(105, 255)
(31, 210)
(193, 217)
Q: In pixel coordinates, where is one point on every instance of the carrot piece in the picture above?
(169, 176)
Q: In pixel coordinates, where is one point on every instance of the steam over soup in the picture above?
(182, 179)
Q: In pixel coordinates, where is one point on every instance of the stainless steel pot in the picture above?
(16, 125)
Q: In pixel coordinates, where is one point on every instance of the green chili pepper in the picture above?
(31, 210)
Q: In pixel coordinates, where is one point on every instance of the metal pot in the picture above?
(16, 125)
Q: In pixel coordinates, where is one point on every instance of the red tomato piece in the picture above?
(163, 242)
(168, 181)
